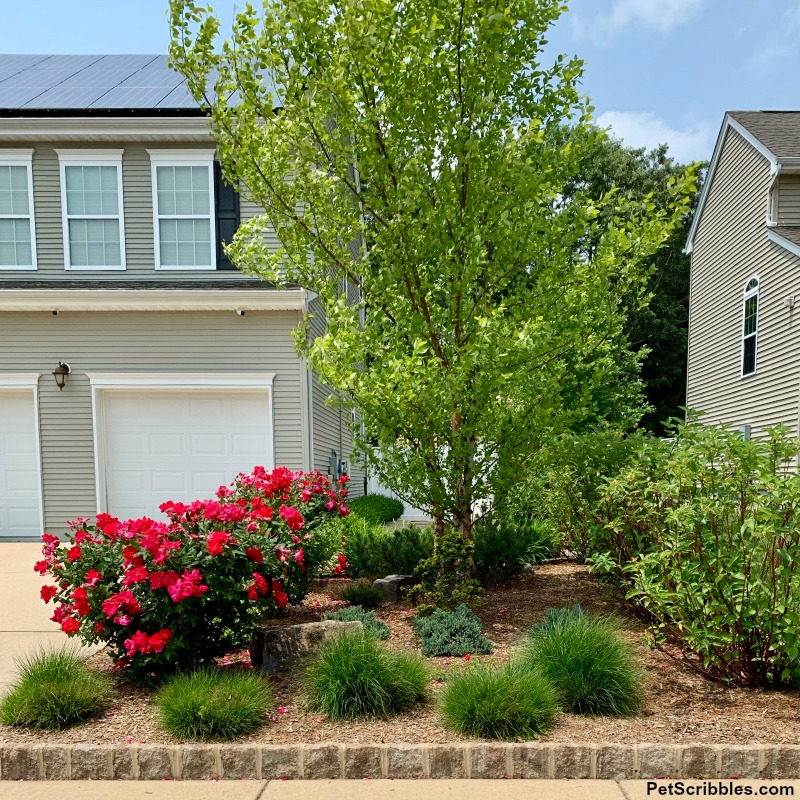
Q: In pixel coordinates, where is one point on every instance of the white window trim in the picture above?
(746, 295)
(183, 158)
(29, 381)
(103, 382)
(100, 158)
(24, 158)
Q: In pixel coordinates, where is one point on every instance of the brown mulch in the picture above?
(681, 706)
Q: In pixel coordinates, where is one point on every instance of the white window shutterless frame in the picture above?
(183, 209)
(17, 224)
(92, 209)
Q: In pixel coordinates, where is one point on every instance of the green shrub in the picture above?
(54, 690)
(445, 578)
(507, 703)
(703, 532)
(404, 548)
(213, 704)
(376, 508)
(504, 546)
(363, 547)
(356, 676)
(593, 670)
(373, 627)
(451, 633)
(361, 594)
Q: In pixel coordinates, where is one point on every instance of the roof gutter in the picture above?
(238, 300)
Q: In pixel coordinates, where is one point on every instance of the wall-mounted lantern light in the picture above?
(60, 374)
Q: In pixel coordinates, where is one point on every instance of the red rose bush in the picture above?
(169, 595)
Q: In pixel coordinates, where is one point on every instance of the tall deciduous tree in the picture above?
(428, 136)
(658, 330)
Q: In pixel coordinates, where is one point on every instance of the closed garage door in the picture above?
(179, 444)
(20, 512)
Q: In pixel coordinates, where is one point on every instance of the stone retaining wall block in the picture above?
(741, 761)
(572, 761)
(55, 759)
(279, 761)
(199, 762)
(489, 761)
(239, 762)
(614, 762)
(363, 761)
(782, 761)
(530, 761)
(447, 761)
(155, 762)
(404, 761)
(20, 762)
(322, 761)
(699, 761)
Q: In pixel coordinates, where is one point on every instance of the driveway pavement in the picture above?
(24, 619)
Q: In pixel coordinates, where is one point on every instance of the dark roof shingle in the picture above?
(778, 131)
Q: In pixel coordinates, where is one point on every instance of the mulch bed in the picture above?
(681, 706)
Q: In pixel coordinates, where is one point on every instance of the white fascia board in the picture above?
(728, 122)
(19, 380)
(152, 300)
(776, 238)
(183, 380)
(91, 128)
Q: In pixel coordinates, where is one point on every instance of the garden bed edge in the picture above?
(357, 761)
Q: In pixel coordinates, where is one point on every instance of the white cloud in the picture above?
(645, 129)
(663, 15)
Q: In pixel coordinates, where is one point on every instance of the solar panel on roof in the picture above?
(130, 97)
(18, 62)
(43, 78)
(58, 97)
(67, 63)
(179, 97)
(108, 78)
(16, 98)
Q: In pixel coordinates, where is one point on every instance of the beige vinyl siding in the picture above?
(138, 209)
(329, 420)
(172, 343)
(789, 200)
(730, 246)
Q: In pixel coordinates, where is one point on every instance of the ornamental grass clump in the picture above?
(372, 626)
(213, 704)
(54, 690)
(507, 702)
(355, 676)
(168, 596)
(451, 633)
(593, 670)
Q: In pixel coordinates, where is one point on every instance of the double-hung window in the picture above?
(183, 209)
(91, 207)
(17, 230)
(750, 327)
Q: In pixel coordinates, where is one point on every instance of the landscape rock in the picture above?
(390, 587)
(274, 649)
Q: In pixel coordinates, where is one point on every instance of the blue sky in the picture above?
(656, 70)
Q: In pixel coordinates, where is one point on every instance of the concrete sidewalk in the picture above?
(366, 790)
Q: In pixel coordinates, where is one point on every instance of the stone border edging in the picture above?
(462, 760)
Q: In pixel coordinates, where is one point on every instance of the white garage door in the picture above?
(20, 513)
(179, 444)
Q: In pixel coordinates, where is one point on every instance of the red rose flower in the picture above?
(70, 625)
(254, 554)
(48, 593)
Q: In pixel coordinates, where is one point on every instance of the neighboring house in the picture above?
(744, 309)
(182, 370)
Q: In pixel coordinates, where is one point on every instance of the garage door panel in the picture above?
(20, 509)
(186, 443)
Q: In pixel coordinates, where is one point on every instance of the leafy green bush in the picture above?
(565, 485)
(213, 704)
(404, 548)
(508, 702)
(703, 533)
(356, 676)
(374, 627)
(504, 546)
(376, 508)
(54, 690)
(593, 670)
(445, 578)
(451, 633)
(360, 594)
